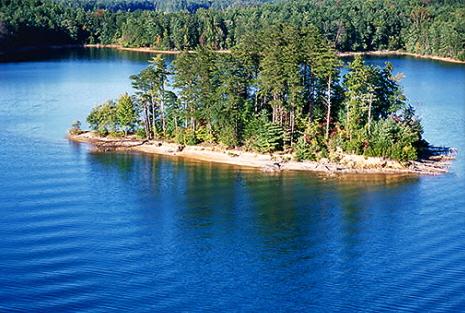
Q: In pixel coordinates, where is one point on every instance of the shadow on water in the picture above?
(286, 203)
(123, 232)
(77, 54)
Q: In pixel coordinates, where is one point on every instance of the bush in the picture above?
(302, 150)
(103, 119)
(203, 134)
(311, 146)
(140, 133)
(395, 139)
(263, 136)
(186, 136)
(75, 128)
(270, 138)
(227, 136)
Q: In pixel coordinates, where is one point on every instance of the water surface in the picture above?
(81, 231)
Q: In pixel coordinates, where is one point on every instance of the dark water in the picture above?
(120, 232)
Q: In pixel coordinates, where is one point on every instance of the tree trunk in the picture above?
(292, 124)
(162, 109)
(147, 122)
(348, 120)
(328, 103)
(370, 102)
(311, 99)
(153, 114)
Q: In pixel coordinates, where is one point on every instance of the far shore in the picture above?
(401, 53)
(276, 162)
(341, 54)
(175, 52)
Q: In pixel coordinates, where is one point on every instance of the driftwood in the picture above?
(113, 145)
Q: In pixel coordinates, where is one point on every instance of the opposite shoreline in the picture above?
(341, 54)
(175, 52)
(276, 162)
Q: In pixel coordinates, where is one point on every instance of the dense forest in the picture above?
(434, 27)
(278, 90)
(160, 5)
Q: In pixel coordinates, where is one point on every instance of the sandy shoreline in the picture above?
(175, 52)
(145, 50)
(348, 164)
(402, 53)
(341, 54)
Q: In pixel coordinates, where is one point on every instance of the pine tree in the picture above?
(126, 113)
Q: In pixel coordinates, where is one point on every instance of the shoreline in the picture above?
(340, 54)
(400, 53)
(144, 49)
(276, 162)
(176, 52)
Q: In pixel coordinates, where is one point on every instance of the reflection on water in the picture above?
(85, 231)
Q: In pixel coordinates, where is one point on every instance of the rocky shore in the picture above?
(437, 162)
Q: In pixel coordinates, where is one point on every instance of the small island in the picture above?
(281, 100)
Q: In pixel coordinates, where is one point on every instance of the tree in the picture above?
(326, 68)
(126, 113)
(161, 75)
(103, 118)
(150, 86)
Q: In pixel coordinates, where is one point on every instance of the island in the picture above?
(282, 99)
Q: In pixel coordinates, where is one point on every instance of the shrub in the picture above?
(140, 133)
(263, 136)
(302, 150)
(227, 136)
(75, 128)
(395, 139)
(186, 136)
(203, 134)
(311, 145)
(103, 119)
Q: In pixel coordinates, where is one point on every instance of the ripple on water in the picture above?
(101, 232)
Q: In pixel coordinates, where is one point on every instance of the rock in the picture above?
(275, 167)
(323, 161)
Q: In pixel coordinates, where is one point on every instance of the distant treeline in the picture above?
(419, 26)
(160, 5)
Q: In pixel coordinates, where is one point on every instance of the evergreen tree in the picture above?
(126, 113)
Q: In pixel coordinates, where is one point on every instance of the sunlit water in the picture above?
(123, 232)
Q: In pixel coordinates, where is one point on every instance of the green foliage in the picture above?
(140, 133)
(203, 134)
(103, 118)
(312, 144)
(395, 139)
(151, 96)
(425, 27)
(126, 113)
(263, 136)
(186, 136)
(303, 150)
(284, 94)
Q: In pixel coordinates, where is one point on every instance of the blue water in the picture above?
(90, 232)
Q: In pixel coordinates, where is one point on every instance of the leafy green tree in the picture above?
(103, 118)
(126, 113)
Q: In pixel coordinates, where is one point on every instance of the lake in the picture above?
(94, 232)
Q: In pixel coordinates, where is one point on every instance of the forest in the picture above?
(160, 5)
(283, 90)
(432, 27)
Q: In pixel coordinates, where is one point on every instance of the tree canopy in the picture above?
(281, 90)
